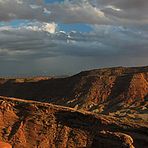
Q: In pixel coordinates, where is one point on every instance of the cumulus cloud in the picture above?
(38, 26)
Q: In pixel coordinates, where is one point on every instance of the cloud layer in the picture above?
(119, 35)
(123, 12)
(42, 41)
(113, 12)
(21, 9)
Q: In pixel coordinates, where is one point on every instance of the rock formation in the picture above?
(98, 108)
(30, 124)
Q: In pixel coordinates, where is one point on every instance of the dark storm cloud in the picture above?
(103, 41)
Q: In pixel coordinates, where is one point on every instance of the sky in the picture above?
(64, 37)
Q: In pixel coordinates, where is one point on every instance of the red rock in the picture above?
(5, 145)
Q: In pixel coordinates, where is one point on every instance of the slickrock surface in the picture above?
(30, 124)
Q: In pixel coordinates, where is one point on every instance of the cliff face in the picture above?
(29, 124)
(102, 91)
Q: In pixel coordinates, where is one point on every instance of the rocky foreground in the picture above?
(28, 124)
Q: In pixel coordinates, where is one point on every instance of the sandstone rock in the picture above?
(45, 125)
(5, 145)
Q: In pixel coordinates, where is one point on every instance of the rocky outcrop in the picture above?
(120, 140)
(30, 124)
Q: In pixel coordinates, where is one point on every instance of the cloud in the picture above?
(26, 49)
(38, 26)
(107, 12)
(113, 12)
(119, 35)
(76, 13)
(132, 12)
(22, 9)
(38, 41)
(31, 41)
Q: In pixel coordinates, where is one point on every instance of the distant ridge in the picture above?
(103, 90)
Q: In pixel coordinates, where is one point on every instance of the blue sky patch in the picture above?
(53, 1)
(74, 27)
